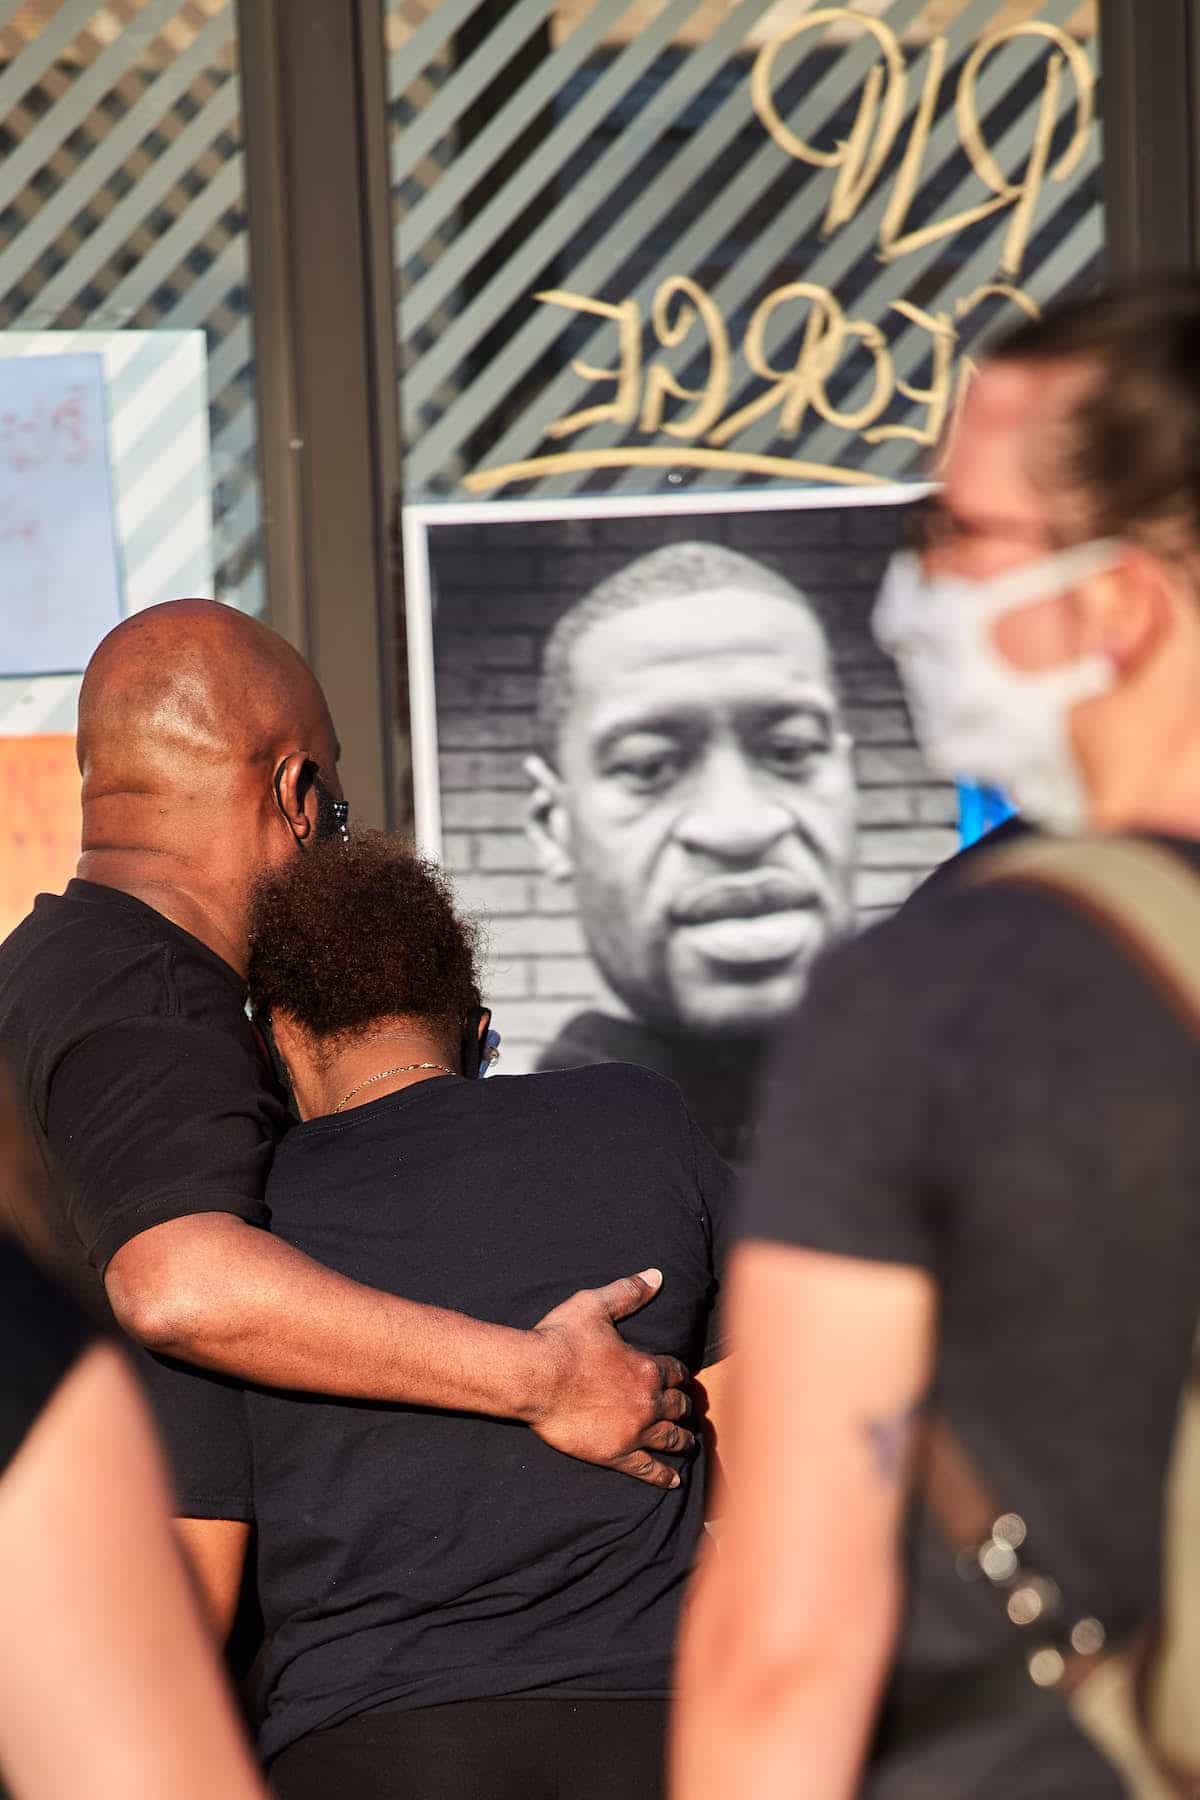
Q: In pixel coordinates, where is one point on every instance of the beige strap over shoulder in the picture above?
(1149, 900)
(1146, 896)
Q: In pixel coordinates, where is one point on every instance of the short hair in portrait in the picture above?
(673, 767)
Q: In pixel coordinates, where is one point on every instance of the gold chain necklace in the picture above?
(400, 1069)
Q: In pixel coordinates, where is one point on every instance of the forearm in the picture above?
(247, 1304)
(770, 1713)
(790, 1626)
(93, 1584)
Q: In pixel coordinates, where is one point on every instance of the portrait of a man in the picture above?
(672, 767)
(694, 781)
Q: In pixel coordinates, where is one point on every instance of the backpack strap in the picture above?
(1148, 900)
(1141, 894)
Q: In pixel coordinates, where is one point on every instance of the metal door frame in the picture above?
(314, 110)
(1150, 83)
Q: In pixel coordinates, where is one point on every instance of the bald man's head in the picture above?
(192, 684)
(206, 750)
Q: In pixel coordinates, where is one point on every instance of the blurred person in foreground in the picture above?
(208, 757)
(978, 1174)
(109, 1685)
(695, 782)
(451, 1608)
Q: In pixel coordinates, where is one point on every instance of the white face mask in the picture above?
(976, 716)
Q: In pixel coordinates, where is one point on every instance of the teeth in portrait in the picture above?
(673, 768)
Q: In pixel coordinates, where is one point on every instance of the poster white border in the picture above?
(421, 518)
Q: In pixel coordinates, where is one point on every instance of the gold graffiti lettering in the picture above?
(998, 290)
(827, 333)
(936, 397)
(1024, 195)
(688, 456)
(660, 382)
(623, 409)
(885, 379)
(686, 319)
(791, 389)
(891, 230)
(862, 155)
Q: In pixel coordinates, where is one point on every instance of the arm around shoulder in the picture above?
(212, 1290)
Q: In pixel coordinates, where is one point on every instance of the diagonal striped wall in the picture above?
(122, 209)
(601, 150)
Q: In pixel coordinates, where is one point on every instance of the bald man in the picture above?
(208, 757)
(695, 783)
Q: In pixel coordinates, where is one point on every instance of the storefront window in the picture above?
(686, 294)
(127, 419)
(654, 245)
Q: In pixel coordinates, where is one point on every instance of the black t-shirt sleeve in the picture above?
(153, 1119)
(839, 1161)
(42, 1333)
(201, 1419)
(715, 1187)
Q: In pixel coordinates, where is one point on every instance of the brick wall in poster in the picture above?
(499, 588)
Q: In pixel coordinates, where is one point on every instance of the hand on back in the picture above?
(613, 1404)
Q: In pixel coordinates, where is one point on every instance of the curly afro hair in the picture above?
(350, 933)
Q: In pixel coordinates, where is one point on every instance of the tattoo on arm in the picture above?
(891, 1441)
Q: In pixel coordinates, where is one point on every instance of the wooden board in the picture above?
(39, 833)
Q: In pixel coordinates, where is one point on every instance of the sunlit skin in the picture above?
(786, 1646)
(1138, 745)
(704, 804)
(196, 725)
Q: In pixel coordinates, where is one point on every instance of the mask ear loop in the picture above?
(1050, 576)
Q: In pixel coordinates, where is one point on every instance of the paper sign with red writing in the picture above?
(59, 559)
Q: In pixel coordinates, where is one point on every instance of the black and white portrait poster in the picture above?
(658, 749)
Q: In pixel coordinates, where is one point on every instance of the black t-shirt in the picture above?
(964, 863)
(985, 1088)
(409, 1557)
(720, 1085)
(42, 1332)
(148, 1096)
